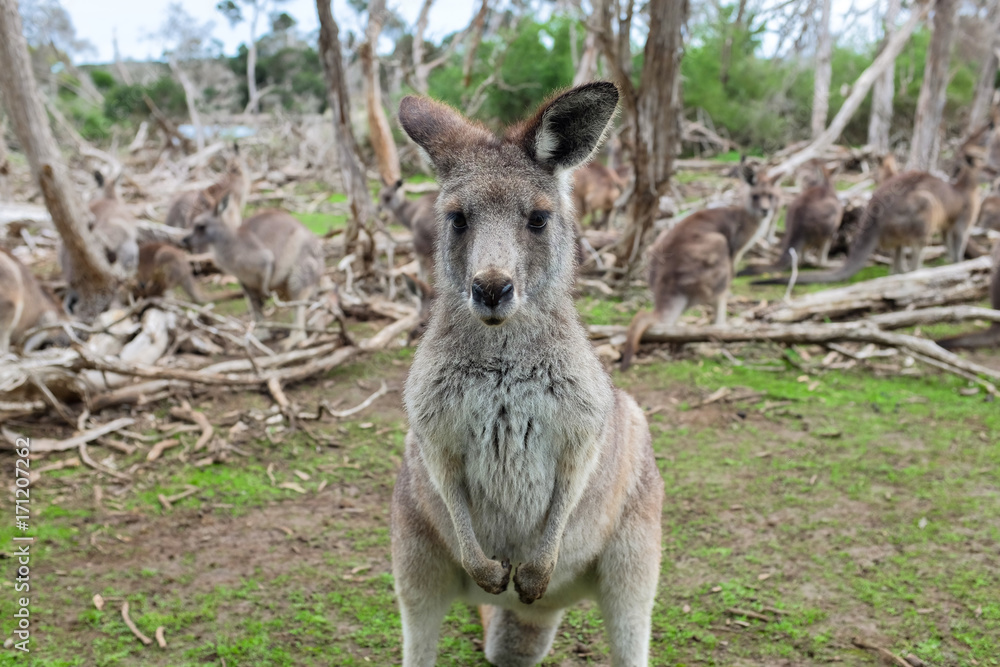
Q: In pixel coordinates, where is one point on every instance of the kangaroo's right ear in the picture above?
(747, 172)
(439, 130)
(222, 205)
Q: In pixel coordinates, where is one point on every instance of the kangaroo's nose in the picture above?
(492, 292)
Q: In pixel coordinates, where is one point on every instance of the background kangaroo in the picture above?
(523, 461)
(234, 181)
(24, 304)
(418, 216)
(161, 268)
(989, 211)
(991, 336)
(905, 212)
(693, 263)
(596, 188)
(269, 252)
(811, 222)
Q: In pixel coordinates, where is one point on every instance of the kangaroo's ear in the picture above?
(99, 177)
(566, 130)
(747, 171)
(399, 184)
(222, 205)
(439, 130)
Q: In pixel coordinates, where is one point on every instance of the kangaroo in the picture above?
(905, 212)
(887, 168)
(989, 211)
(522, 462)
(269, 252)
(416, 215)
(596, 188)
(425, 293)
(694, 261)
(991, 336)
(24, 304)
(163, 267)
(187, 206)
(811, 222)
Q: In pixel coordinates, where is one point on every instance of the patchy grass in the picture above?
(853, 503)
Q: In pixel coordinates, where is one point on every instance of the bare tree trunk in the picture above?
(882, 97)
(727, 47)
(980, 109)
(352, 170)
(930, 104)
(252, 103)
(378, 125)
(478, 26)
(420, 74)
(189, 99)
(92, 278)
(821, 85)
(858, 92)
(654, 109)
(586, 66)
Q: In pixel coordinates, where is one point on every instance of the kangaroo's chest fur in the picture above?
(511, 417)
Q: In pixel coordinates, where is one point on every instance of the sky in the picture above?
(135, 20)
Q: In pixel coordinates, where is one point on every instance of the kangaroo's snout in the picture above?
(187, 242)
(491, 293)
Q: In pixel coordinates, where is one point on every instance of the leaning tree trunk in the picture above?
(654, 110)
(476, 37)
(930, 104)
(880, 121)
(252, 101)
(821, 85)
(985, 86)
(189, 99)
(378, 125)
(352, 170)
(92, 278)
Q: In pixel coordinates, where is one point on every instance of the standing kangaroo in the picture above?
(596, 188)
(811, 222)
(905, 211)
(418, 216)
(161, 268)
(269, 252)
(694, 262)
(24, 304)
(989, 211)
(523, 461)
(234, 181)
(991, 336)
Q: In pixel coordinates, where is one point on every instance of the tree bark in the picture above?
(189, 99)
(725, 59)
(858, 92)
(92, 278)
(253, 102)
(652, 111)
(420, 74)
(586, 65)
(478, 26)
(821, 85)
(882, 97)
(930, 104)
(980, 109)
(378, 125)
(352, 170)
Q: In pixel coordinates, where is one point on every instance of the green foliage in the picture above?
(102, 79)
(292, 72)
(124, 101)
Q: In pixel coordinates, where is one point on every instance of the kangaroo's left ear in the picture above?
(566, 130)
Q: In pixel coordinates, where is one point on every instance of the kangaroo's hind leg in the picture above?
(518, 639)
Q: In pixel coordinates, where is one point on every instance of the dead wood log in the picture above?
(937, 286)
(925, 316)
(45, 445)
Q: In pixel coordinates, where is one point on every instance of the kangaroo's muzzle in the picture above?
(492, 296)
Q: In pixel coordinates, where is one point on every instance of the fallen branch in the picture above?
(185, 412)
(883, 653)
(85, 457)
(131, 626)
(340, 414)
(45, 445)
(925, 316)
(160, 447)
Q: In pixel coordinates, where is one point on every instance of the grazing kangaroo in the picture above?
(163, 267)
(523, 462)
(24, 304)
(991, 336)
(269, 252)
(905, 212)
(811, 222)
(596, 188)
(418, 216)
(693, 262)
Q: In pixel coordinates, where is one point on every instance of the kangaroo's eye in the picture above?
(199, 229)
(538, 219)
(458, 220)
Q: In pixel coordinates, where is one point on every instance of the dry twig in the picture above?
(131, 626)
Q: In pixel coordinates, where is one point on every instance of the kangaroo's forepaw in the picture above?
(491, 575)
(531, 580)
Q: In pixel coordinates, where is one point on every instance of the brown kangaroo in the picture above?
(416, 215)
(269, 252)
(189, 205)
(24, 304)
(523, 462)
(163, 267)
(693, 263)
(596, 188)
(905, 212)
(991, 336)
(989, 211)
(887, 168)
(811, 222)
